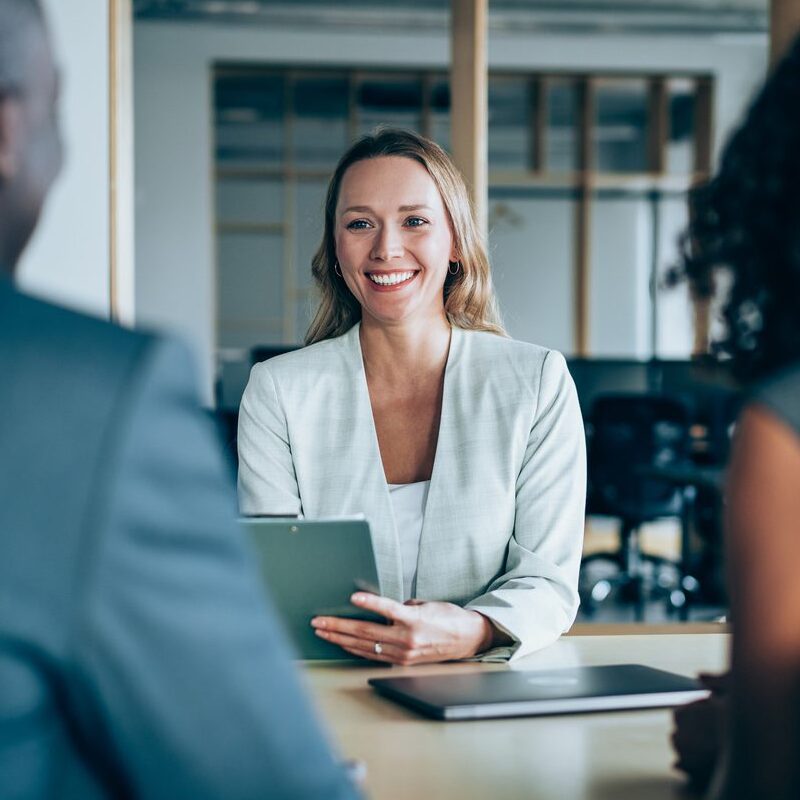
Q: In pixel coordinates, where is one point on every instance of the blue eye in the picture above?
(416, 222)
(357, 225)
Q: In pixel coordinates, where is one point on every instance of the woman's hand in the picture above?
(699, 730)
(417, 632)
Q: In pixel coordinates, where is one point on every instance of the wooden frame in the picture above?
(469, 100)
(703, 136)
(658, 128)
(784, 25)
(583, 215)
(122, 289)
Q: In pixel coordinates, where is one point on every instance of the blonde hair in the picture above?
(469, 299)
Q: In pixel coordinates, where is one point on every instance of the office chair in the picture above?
(262, 352)
(628, 434)
(226, 422)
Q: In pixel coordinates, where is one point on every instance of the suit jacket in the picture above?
(503, 525)
(138, 655)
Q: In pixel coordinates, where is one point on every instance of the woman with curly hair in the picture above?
(463, 448)
(746, 225)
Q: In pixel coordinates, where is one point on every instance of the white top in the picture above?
(408, 504)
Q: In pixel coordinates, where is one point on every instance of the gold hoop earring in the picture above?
(337, 269)
(457, 269)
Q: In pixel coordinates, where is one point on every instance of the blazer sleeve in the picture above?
(181, 680)
(536, 599)
(267, 480)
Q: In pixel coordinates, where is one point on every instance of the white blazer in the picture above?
(503, 526)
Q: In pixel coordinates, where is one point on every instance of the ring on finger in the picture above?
(378, 648)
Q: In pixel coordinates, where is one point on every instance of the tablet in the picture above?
(311, 567)
(519, 693)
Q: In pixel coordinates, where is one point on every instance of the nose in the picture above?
(388, 244)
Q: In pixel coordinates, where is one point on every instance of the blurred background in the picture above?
(202, 133)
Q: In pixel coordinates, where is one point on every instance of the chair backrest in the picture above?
(226, 421)
(628, 432)
(262, 352)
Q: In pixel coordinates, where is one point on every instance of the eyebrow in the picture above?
(363, 209)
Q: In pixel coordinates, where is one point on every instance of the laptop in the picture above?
(516, 693)
(311, 567)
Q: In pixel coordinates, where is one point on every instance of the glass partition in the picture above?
(621, 126)
(510, 128)
(562, 125)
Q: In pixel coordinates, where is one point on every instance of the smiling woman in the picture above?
(395, 155)
(393, 254)
(463, 448)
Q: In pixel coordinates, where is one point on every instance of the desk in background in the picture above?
(613, 756)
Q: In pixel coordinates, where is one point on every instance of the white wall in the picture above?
(175, 260)
(67, 260)
(619, 278)
(532, 264)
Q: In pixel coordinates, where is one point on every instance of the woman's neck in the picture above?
(400, 352)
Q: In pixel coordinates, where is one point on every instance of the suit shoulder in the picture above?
(311, 362)
(490, 345)
(70, 358)
(43, 323)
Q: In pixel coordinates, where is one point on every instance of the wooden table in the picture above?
(616, 755)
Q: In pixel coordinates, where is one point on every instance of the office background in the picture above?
(194, 226)
(203, 133)
(198, 240)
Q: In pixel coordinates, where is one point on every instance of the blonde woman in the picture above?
(463, 448)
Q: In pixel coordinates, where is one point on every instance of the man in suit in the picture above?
(138, 655)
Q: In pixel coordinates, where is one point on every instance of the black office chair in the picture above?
(226, 422)
(628, 433)
(262, 352)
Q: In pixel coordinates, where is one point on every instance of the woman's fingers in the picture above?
(363, 648)
(393, 611)
(418, 632)
(385, 606)
(358, 629)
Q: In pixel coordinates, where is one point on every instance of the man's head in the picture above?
(30, 144)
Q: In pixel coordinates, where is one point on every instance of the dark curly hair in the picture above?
(746, 221)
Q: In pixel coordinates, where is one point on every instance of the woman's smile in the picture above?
(385, 281)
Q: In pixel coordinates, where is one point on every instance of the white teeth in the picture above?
(390, 280)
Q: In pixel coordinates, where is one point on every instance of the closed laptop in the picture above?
(516, 693)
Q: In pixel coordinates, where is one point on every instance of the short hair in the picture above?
(17, 19)
(469, 299)
(745, 222)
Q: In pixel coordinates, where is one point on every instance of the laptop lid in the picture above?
(311, 567)
(516, 693)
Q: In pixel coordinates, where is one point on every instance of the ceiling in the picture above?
(572, 16)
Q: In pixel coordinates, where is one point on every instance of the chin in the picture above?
(398, 316)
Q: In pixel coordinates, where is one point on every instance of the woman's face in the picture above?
(393, 239)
